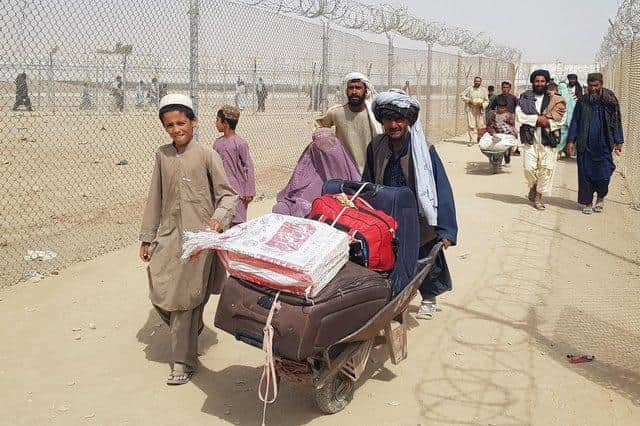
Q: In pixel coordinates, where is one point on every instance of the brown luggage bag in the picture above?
(303, 327)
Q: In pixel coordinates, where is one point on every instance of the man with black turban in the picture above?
(401, 156)
(575, 88)
(541, 116)
(596, 132)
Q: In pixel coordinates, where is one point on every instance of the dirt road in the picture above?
(84, 347)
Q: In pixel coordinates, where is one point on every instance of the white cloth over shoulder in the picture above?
(423, 167)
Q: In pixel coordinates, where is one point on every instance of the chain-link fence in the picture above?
(80, 82)
(622, 75)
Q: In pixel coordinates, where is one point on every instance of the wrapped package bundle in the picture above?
(292, 254)
(499, 142)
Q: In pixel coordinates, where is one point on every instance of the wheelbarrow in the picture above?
(334, 371)
(495, 157)
(494, 154)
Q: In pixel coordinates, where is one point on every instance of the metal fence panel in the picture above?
(74, 172)
(622, 75)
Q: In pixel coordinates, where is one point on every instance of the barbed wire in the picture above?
(386, 18)
(622, 30)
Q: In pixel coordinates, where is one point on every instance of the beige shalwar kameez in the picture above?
(188, 189)
(539, 160)
(354, 129)
(475, 113)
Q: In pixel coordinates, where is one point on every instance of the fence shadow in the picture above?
(617, 363)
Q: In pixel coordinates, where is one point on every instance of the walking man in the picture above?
(117, 91)
(354, 121)
(261, 94)
(401, 156)
(575, 88)
(541, 115)
(505, 92)
(596, 132)
(22, 92)
(476, 100)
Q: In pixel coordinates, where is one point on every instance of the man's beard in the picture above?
(595, 97)
(538, 90)
(356, 101)
(571, 84)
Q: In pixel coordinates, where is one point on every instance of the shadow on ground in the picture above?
(155, 335)
(617, 363)
(515, 199)
(484, 168)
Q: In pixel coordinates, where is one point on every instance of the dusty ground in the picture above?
(530, 287)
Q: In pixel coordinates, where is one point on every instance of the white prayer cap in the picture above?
(176, 99)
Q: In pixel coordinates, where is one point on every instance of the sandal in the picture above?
(539, 206)
(587, 210)
(176, 379)
(427, 310)
(599, 207)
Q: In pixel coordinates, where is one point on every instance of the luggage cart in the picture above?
(334, 371)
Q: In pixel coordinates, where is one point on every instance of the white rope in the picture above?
(269, 371)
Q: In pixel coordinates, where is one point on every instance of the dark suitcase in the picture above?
(399, 203)
(303, 327)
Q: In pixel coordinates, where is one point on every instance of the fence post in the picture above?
(458, 90)
(427, 106)
(390, 60)
(194, 12)
(324, 73)
(629, 101)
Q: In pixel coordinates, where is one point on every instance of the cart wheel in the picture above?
(335, 395)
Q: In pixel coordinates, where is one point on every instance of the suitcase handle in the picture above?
(351, 187)
(242, 311)
(249, 338)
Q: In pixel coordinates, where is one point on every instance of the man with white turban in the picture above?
(354, 123)
(401, 156)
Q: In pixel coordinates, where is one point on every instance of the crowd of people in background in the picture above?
(553, 120)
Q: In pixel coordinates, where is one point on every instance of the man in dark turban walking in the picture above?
(541, 115)
(401, 156)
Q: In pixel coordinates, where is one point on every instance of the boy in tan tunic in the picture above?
(189, 191)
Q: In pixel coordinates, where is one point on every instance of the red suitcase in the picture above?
(373, 231)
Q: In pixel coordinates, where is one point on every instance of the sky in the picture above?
(567, 30)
